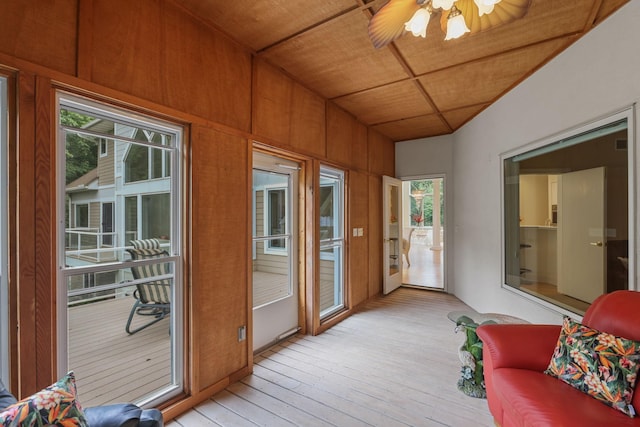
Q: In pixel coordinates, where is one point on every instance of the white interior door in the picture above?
(582, 234)
(392, 233)
(275, 277)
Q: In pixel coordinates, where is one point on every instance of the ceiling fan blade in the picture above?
(388, 23)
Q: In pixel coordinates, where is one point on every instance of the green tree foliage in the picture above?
(422, 208)
(81, 152)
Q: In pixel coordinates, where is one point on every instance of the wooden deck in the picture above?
(394, 363)
(268, 287)
(106, 360)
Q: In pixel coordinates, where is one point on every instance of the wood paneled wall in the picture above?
(151, 56)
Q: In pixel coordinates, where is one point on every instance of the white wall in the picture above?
(596, 76)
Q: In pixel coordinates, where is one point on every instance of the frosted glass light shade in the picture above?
(444, 4)
(456, 27)
(418, 23)
(485, 6)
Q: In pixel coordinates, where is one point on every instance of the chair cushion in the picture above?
(54, 405)
(146, 244)
(599, 364)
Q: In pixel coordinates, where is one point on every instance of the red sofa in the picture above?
(515, 357)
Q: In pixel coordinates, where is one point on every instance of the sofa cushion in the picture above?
(532, 398)
(599, 364)
(55, 405)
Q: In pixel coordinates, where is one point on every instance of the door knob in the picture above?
(599, 244)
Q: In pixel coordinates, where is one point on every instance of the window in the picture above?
(276, 218)
(143, 162)
(109, 204)
(331, 241)
(103, 147)
(567, 221)
(82, 216)
(4, 291)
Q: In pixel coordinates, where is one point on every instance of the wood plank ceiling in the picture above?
(413, 87)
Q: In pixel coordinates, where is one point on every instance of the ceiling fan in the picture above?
(457, 17)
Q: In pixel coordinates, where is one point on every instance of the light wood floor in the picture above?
(392, 364)
(427, 266)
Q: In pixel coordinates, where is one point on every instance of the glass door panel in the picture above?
(392, 239)
(331, 241)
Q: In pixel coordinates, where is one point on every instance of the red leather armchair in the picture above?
(515, 357)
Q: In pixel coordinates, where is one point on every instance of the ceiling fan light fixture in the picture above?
(485, 6)
(418, 23)
(456, 26)
(443, 4)
(457, 17)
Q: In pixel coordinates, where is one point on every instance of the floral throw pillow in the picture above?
(56, 405)
(597, 363)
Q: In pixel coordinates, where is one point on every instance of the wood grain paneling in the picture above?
(219, 254)
(372, 106)
(271, 21)
(496, 76)
(43, 32)
(340, 130)
(360, 148)
(45, 235)
(271, 102)
(286, 113)
(347, 64)
(26, 236)
(346, 139)
(308, 124)
(375, 235)
(154, 50)
(358, 246)
(381, 154)
(388, 156)
(414, 127)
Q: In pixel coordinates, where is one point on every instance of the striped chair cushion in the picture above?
(158, 291)
(145, 244)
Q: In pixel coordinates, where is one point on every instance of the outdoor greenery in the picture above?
(81, 152)
(424, 216)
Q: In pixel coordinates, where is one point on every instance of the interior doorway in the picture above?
(423, 232)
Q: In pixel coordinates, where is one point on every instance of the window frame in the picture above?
(629, 114)
(268, 248)
(337, 242)
(103, 149)
(123, 115)
(5, 347)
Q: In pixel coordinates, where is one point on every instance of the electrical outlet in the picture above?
(242, 333)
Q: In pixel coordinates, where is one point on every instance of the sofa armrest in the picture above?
(151, 418)
(521, 346)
